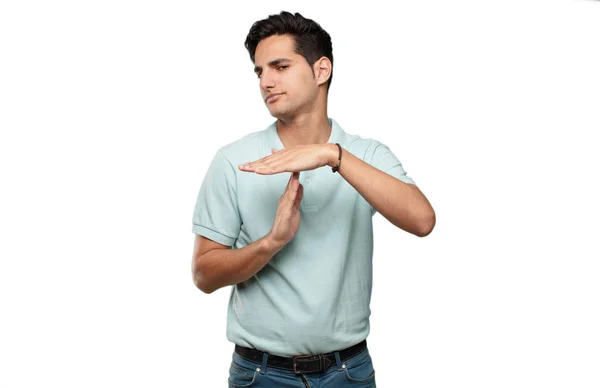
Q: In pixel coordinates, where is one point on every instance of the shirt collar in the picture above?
(275, 142)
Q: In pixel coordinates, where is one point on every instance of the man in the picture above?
(294, 239)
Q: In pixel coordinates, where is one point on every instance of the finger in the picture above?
(287, 188)
(276, 163)
(264, 163)
(251, 166)
(290, 184)
(267, 170)
(272, 167)
(299, 196)
(293, 189)
(293, 177)
(264, 168)
(266, 158)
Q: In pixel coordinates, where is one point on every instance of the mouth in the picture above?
(272, 98)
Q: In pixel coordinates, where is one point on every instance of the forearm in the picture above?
(222, 267)
(400, 203)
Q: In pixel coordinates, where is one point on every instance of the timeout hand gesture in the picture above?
(299, 158)
(295, 159)
(287, 218)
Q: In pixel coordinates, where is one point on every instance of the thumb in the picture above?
(299, 196)
(274, 151)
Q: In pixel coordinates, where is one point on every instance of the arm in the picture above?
(215, 265)
(400, 203)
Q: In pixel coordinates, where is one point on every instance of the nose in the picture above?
(266, 81)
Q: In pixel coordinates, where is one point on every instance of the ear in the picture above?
(322, 70)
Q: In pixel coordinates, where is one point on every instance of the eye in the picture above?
(279, 68)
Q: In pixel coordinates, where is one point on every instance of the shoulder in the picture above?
(243, 149)
(361, 147)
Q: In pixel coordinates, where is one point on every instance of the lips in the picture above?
(272, 97)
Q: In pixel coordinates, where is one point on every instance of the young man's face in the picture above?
(286, 76)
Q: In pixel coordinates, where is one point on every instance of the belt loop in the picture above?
(338, 361)
(263, 366)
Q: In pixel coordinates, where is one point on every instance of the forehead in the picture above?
(275, 46)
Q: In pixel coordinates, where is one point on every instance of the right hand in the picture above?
(287, 218)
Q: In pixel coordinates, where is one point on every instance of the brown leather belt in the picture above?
(301, 364)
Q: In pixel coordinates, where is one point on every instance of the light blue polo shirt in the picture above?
(314, 295)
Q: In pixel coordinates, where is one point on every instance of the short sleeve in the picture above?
(382, 158)
(216, 214)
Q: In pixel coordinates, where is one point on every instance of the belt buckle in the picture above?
(304, 356)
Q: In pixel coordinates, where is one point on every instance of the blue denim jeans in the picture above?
(356, 371)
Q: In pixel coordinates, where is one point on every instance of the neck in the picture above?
(305, 128)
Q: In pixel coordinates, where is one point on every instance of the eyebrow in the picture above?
(273, 63)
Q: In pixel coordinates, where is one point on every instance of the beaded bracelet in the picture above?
(337, 167)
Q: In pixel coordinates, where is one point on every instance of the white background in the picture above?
(111, 111)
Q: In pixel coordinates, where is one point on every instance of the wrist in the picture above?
(270, 245)
(332, 154)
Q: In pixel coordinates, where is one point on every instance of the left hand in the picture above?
(295, 159)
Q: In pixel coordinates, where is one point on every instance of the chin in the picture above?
(278, 113)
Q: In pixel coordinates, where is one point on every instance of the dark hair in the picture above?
(312, 41)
